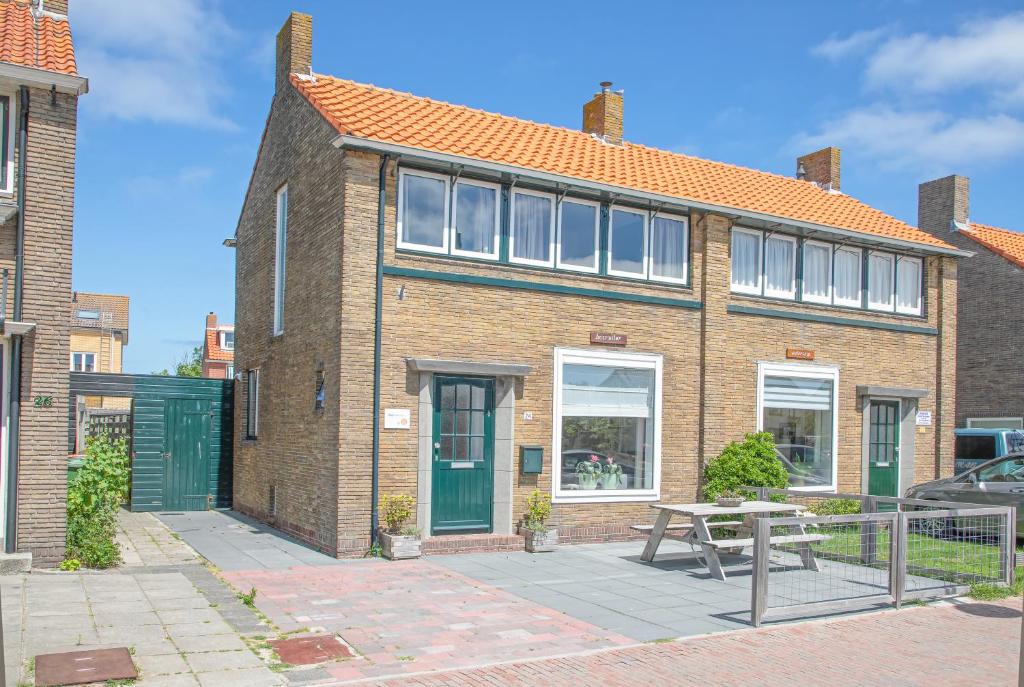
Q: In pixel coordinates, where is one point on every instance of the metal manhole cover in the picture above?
(304, 651)
(81, 667)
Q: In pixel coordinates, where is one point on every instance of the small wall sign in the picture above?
(607, 339)
(799, 354)
(43, 401)
(924, 418)
(396, 418)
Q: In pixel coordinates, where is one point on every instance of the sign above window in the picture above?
(799, 354)
(607, 339)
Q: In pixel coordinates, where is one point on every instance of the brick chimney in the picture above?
(294, 48)
(943, 202)
(603, 114)
(56, 6)
(821, 167)
(211, 321)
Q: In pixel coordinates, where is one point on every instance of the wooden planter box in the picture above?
(396, 547)
(539, 542)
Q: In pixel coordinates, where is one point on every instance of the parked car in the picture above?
(799, 461)
(998, 482)
(975, 446)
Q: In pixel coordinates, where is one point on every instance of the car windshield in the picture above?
(1007, 470)
(1014, 441)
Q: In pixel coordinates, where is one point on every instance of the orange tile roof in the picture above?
(399, 118)
(213, 350)
(113, 310)
(44, 43)
(1005, 242)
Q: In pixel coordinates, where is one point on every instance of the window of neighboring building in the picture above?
(908, 285)
(6, 156)
(231, 372)
(881, 268)
(252, 403)
(669, 249)
(996, 422)
(817, 278)
(83, 362)
(746, 261)
(475, 220)
(797, 405)
(280, 258)
(532, 235)
(579, 228)
(627, 240)
(607, 415)
(320, 395)
(780, 266)
(227, 341)
(88, 314)
(847, 280)
(423, 211)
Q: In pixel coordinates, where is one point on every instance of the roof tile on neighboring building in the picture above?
(214, 352)
(389, 116)
(1005, 242)
(42, 42)
(113, 311)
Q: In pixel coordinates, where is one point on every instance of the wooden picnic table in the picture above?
(700, 534)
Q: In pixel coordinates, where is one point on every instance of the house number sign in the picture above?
(43, 401)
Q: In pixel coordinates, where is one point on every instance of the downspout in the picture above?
(377, 316)
(11, 533)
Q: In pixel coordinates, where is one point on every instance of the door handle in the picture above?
(167, 456)
(437, 450)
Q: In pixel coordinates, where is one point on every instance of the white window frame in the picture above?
(858, 301)
(830, 287)
(609, 358)
(1010, 422)
(789, 294)
(8, 188)
(686, 248)
(446, 224)
(742, 288)
(280, 258)
(550, 262)
(252, 403)
(890, 306)
(597, 237)
(645, 216)
(223, 340)
(496, 237)
(916, 310)
(84, 354)
(767, 369)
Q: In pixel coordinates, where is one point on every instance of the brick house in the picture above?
(99, 333)
(990, 387)
(430, 298)
(39, 89)
(218, 349)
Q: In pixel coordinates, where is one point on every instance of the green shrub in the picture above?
(94, 496)
(751, 462)
(836, 507)
(538, 510)
(395, 510)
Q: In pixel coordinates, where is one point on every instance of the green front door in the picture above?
(463, 462)
(884, 448)
(187, 454)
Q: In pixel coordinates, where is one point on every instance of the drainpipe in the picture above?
(375, 478)
(11, 533)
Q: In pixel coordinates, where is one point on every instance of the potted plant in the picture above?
(730, 499)
(611, 474)
(539, 537)
(397, 540)
(588, 472)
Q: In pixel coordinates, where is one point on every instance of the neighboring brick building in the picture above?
(537, 287)
(990, 386)
(218, 349)
(39, 89)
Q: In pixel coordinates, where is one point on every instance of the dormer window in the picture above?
(88, 314)
(227, 341)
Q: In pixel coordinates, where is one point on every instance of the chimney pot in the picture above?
(820, 167)
(294, 48)
(602, 116)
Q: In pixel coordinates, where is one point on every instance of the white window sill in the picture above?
(645, 497)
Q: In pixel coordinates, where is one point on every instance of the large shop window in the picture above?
(607, 426)
(797, 405)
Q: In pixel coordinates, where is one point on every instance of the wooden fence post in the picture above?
(869, 533)
(759, 578)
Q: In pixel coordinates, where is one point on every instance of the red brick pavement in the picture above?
(963, 645)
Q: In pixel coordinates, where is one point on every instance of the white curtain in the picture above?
(532, 228)
(847, 276)
(475, 217)
(800, 393)
(817, 266)
(668, 248)
(779, 257)
(593, 391)
(908, 284)
(746, 259)
(880, 279)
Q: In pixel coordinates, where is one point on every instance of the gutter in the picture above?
(44, 78)
(377, 317)
(380, 147)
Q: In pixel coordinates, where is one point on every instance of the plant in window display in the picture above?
(589, 471)
(611, 474)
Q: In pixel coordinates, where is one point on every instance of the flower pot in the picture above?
(730, 501)
(539, 542)
(586, 481)
(612, 482)
(396, 547)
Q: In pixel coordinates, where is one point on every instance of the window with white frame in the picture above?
(746, 261)
(881, 271)
(817, 274)
(252, 403)
(532, 234)
(83, 362)
(607, 419)
(227, 340)
(280, 257)
(579, 230)
(797, 405)
(6, 145)
(669, 249)
(847, 264)
(780, 266)
(423, 211)
(908, 285)
(475, 219)
(995, 422)
(627, 241)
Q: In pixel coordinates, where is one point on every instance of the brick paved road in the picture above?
(960, 645)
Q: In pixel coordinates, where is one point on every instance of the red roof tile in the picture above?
(43, 42)
(214, 352)
(1009, 244)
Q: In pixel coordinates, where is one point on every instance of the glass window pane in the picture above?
(423, 211)
(461, 448)
(817, 272)
(475, 218)
(798, 413)
(578, 235)
(447, 450)
(627, 242)
(447, 422)
(531, 228)
(478, 398)
(462, 422)
(746, 261)
(462, 396)
(779, 264)
(476, 448)
(668, 248)
(847, 277)
(477, 424)
(880, 285)
(447, 396)
(908, 285)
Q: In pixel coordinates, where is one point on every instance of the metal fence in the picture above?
(893, 551)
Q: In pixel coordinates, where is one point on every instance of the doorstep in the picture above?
(444, 544)
(15, 563)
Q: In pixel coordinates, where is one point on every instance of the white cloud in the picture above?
(157, 61)
(836, 48)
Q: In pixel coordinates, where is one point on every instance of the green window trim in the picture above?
(5, 140)
(830, 319)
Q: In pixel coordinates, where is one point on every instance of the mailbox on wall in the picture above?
(531, 460)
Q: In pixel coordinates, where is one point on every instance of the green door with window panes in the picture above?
(462, 486)
(884, 448)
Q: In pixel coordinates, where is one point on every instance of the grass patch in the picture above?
(986, 591)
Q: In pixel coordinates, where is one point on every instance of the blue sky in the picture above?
(179, 92)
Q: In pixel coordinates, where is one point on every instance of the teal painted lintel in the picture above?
(830, 319)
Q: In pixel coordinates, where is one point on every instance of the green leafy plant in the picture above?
(248, 598)
(751, 462)
(836, 507)
(395, 510)
(190, 365)
(70, 564)
(589, 468)
(94, 496)
(538, 510)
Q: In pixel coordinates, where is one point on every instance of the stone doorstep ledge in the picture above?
(15, 563)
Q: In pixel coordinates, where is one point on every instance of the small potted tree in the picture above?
(539, 537)
(398, 541)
